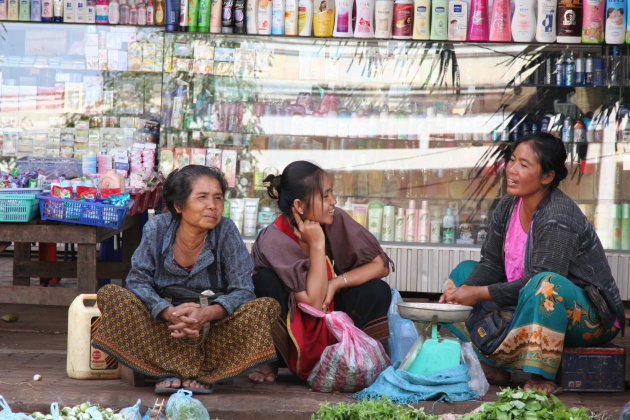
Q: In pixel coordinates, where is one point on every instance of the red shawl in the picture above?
(309, 335)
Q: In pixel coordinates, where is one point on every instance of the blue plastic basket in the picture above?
(17, 207)
(81, 212)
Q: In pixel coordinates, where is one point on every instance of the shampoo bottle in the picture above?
(36, 11)
(478, 22)
(323, 18)
(277, 17)
(524, 21)
(546, 21)
(102, 12)
(422, 19)
(216, 16)
(383, 18)
(13, 10)
(457, 20)
(569, 21)
(291, 17)
(399, 228)
(171, 15)
(150, 13)
(410, 222)
(203, 20)
(124, 12)
(193, 15)
(251, 16)
(47, 10)
(375, 218)
(24, 12)
(264, 17)
(593, 22)
(439, 19)
(448, 226)
(403, 19)
(500, 22)
(615, 21)
(160, 13)
(183, 15)
(389, 216)
(3, 10)
(365, 19)
(113, 12)
(424, 223)
(343, 18)
(305, 17)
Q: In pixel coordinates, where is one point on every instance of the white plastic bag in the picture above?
(182, 406)
(402, 332)
(7, 414)
(478, 381)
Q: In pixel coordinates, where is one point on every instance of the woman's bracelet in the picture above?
(345, 280)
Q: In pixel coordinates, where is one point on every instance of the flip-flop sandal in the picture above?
(167, 390)
(198, 390)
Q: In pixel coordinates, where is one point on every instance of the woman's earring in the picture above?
(301, 211)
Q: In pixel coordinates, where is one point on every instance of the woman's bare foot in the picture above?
(542, 384)
(169, 383)
(191, 383)
(495, 375)
(264, 374)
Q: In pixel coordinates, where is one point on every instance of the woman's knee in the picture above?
(461, 272)
(546, 280)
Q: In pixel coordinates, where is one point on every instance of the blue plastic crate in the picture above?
(81, 212)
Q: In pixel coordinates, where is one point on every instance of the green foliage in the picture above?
(384, 409)
(526, 405)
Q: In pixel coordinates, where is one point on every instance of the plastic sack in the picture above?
(402, 332)
(478, 381)
(7, 414)
(131, 413)
(349, 365)
(182, 406)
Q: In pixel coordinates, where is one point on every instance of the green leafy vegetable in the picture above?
(384, 409)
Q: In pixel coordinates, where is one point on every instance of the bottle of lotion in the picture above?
(569, 21)
(422, 19)
(457, 20)
(383, 18)
(365, 19)
(251, 16)
(388, 223)
(36, 11)
(524, 21)
(343, 18)
(399, 227)
(500, 22)
(47, 10)
(410, 222)
(439, 20)
(448, 227)
(3, 10)
(305, 17)
(291, 17)
(113, 12)
(403, 19)
(546, 21)
(13, 9)
(615, 21)
(264, 16)
(593, 22)
(323, 18)
(216, 16)
(424, 223)
(24, 12)
(277, 17)
(478, 23)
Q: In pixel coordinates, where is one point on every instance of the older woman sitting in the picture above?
(158, 326)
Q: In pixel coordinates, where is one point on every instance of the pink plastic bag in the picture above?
(351, 364)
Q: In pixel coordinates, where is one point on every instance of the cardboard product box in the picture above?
(593, 369)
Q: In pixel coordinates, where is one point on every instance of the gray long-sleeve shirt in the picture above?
(561, 241)
(152, 265)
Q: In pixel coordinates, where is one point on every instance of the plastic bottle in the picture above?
(264, 17)
(365, 19)
(305, 17)
(615, 21)
(251, 16)
(482, 233)
(403, 19)
(593, 22)
(625, 227)
(171, 18)
(142, 14)
(439, 20)
(457, 20)
(448, 226)
(343, 18)
(69, 12)
(203, 16)
(91, 11)
(424, 223)
(478, 24)
(13, 9)
(569, 21)
(389, 221)
(383, 18)
(375, 218)
(323, 18)
(277, 17)
(124, 12)
(36, 11)
(500, 22)
(399, 226)
(291, 17)
(3, 10)
(133, 13)
(192, 15)
(150, 13)
(84, 361)
(524, 21)
(546, 21)
(421, 19)
(24, 12)
(113, 12)
(47, 10)
(216, 16)
(436, 227)
(102, 12)
(160, 13)
(410, 222)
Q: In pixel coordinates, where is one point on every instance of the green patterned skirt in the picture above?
(240, 341)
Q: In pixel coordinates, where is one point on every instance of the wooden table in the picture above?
(86, 269)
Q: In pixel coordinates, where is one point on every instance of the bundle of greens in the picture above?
(384, 409)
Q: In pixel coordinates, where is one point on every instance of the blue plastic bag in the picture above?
(7, 414)
(402, 332)
(182, 406)
(132, 413)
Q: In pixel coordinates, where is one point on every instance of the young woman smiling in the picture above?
(540, 254)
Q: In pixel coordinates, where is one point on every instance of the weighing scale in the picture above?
(436, 353)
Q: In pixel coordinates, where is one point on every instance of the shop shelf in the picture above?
(20, 207)
(82, 212)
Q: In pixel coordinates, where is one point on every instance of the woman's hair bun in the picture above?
(272, 183)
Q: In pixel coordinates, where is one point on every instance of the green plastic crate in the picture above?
(18, 207)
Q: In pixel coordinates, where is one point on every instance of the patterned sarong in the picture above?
(552, 312)
(234, 344)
